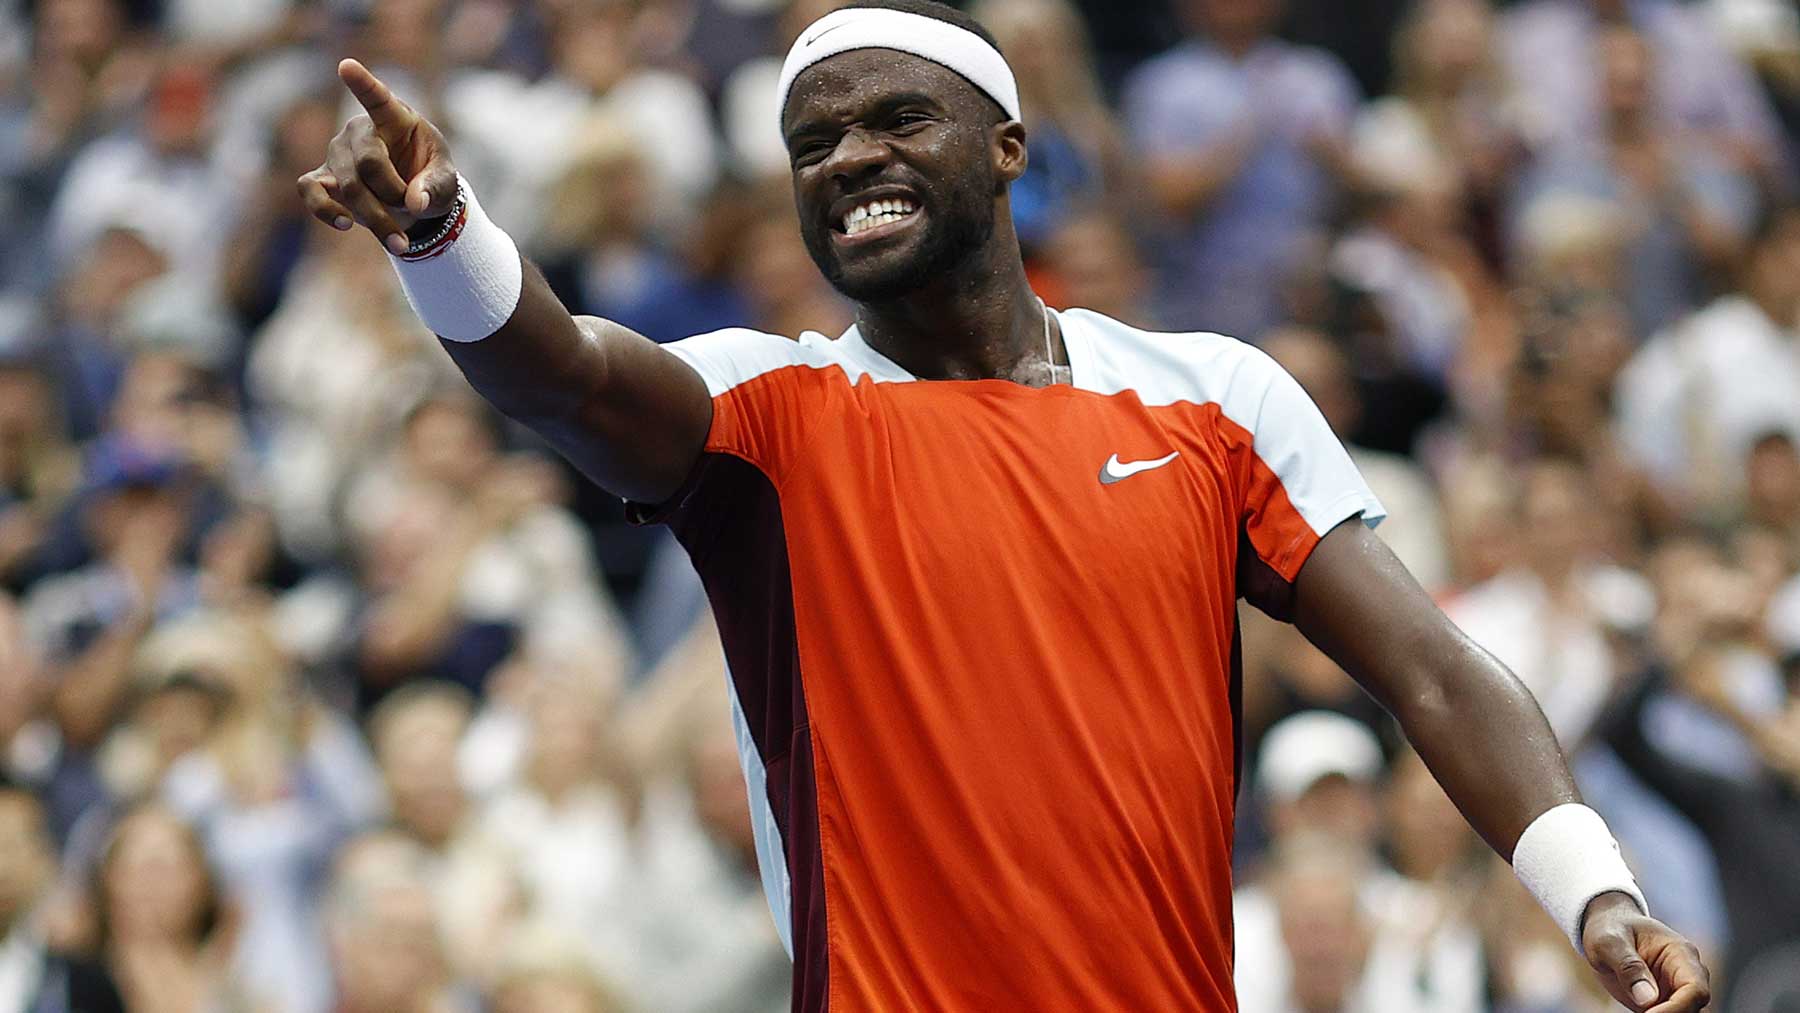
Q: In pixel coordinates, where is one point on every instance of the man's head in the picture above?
(1317, 772)
(1233, 24)
(900, 163)
(416, 732)
(382, 925)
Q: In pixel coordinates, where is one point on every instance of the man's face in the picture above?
(880, 125)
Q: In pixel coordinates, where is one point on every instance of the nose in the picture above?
(857, 153)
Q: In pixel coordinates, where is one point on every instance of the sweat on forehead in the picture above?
(860, 81)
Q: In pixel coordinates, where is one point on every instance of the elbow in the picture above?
(1448, 678)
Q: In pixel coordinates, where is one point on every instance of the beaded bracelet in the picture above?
(451, 227)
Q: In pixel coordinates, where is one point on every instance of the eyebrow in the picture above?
(885, 105)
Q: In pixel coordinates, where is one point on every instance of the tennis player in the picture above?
(975, 563)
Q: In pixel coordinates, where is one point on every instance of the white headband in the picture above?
(880, 28)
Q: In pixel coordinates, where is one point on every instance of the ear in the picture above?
(1008, 149)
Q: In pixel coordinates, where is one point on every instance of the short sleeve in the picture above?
(1296, 480)
(767, 393)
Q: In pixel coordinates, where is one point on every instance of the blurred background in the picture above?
(324, 688)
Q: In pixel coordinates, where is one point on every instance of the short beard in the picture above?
(955, 233)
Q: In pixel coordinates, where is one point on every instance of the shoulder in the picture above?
(1167, 367)
(737, 355)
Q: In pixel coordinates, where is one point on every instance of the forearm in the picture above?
(627, 413)
(1473, 723)
(1485, 739)
(624, 411)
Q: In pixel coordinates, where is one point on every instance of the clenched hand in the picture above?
(1644, 964)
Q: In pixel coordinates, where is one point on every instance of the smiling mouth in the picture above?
(874, 219)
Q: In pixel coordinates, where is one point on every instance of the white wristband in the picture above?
(467, 286)
(1566, 858)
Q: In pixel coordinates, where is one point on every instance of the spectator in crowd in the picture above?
(1685, 203)
(1341, 949)
(85, 347)
(163, 175)
(331, 372)
(1077, 154)
(38, 467)
(387, 952)
(709, 934)
(89, 623)
(87, 69)
(269, 242)
(279, 782)
(1752, 820)
(604, 256)
(165, 929)
(544, 972)
(1454, 105)
(1550, 616)
(1695, 400)
(1547, 46)
(33, 977)
(417, 733)
(1093, 261)
(1245, 140)
(567, 820)
(470, 558)
(521, 129)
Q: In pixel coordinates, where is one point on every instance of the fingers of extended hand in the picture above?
(372, 213)
(375, 169)
(316, 193)
(353, 149)
(386, 110)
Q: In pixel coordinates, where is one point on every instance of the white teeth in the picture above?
(876, 213)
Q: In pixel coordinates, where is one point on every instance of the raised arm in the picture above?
(631, 415)
(1484, 738)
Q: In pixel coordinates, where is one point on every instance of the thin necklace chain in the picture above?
(1058, 374)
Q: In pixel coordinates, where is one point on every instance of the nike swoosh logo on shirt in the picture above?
(1115, 470)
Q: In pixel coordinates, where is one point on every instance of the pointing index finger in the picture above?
(379, 102)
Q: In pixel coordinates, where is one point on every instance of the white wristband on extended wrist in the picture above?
(1566, 858)
(465, 286)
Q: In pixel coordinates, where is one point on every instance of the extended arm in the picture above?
(1484, 738)
(629, 414)
(1473, 723)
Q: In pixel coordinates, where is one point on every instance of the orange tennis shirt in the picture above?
(982, 640)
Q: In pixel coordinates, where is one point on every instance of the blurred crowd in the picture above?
(322, 687)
